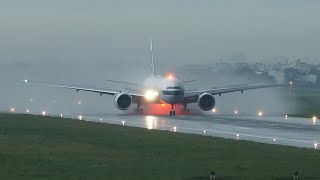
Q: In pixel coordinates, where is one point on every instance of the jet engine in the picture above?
(123, 101)
(206, 102)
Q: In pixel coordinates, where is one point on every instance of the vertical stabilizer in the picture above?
(152, 58)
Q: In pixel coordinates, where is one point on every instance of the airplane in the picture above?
(161, 90)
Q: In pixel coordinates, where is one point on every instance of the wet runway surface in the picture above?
(299, 132)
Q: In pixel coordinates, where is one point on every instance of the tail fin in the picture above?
(152, 58)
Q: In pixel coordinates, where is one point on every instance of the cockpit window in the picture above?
(173, 87)
(172, 92)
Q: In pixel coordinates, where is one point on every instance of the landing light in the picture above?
(315, 145)
(44, 113)
(236, 112)
(151, 95)
(260, 113)
(12, 110)
(214, 110)
(80, 118)
(27, 111)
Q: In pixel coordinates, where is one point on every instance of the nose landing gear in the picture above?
(172, 112)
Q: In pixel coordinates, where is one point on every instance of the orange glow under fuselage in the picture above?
(162, 109)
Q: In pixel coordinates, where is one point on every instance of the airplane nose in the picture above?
(172, 96)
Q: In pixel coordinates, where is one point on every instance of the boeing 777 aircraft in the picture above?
(160, 89)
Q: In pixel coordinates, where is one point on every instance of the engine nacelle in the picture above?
(206, 102)
(123, 101)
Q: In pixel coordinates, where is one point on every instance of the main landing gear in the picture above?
(184, 110)
(172, 112)
(139, 110)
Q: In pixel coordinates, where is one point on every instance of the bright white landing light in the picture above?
(260, 113)
(12, 110)
(151, 95)
(214, 110)
(315, 145)
(44, 113)
(80, 118)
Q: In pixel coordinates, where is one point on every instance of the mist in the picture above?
(85, 43)
(16, 94)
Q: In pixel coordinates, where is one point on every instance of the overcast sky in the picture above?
(187, 31)
(86, 42)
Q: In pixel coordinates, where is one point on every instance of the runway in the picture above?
(299, 132)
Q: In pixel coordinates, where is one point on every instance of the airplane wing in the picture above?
(124, 82)
(192, 96)
(98, 91)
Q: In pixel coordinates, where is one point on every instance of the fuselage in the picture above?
(169, 89)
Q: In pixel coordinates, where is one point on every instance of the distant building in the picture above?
(290, 74)
(278, 75)
(318, 79)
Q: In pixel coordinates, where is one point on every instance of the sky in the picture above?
(186, 31)
(84, 42)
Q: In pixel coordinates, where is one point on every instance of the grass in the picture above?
(36, 147)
